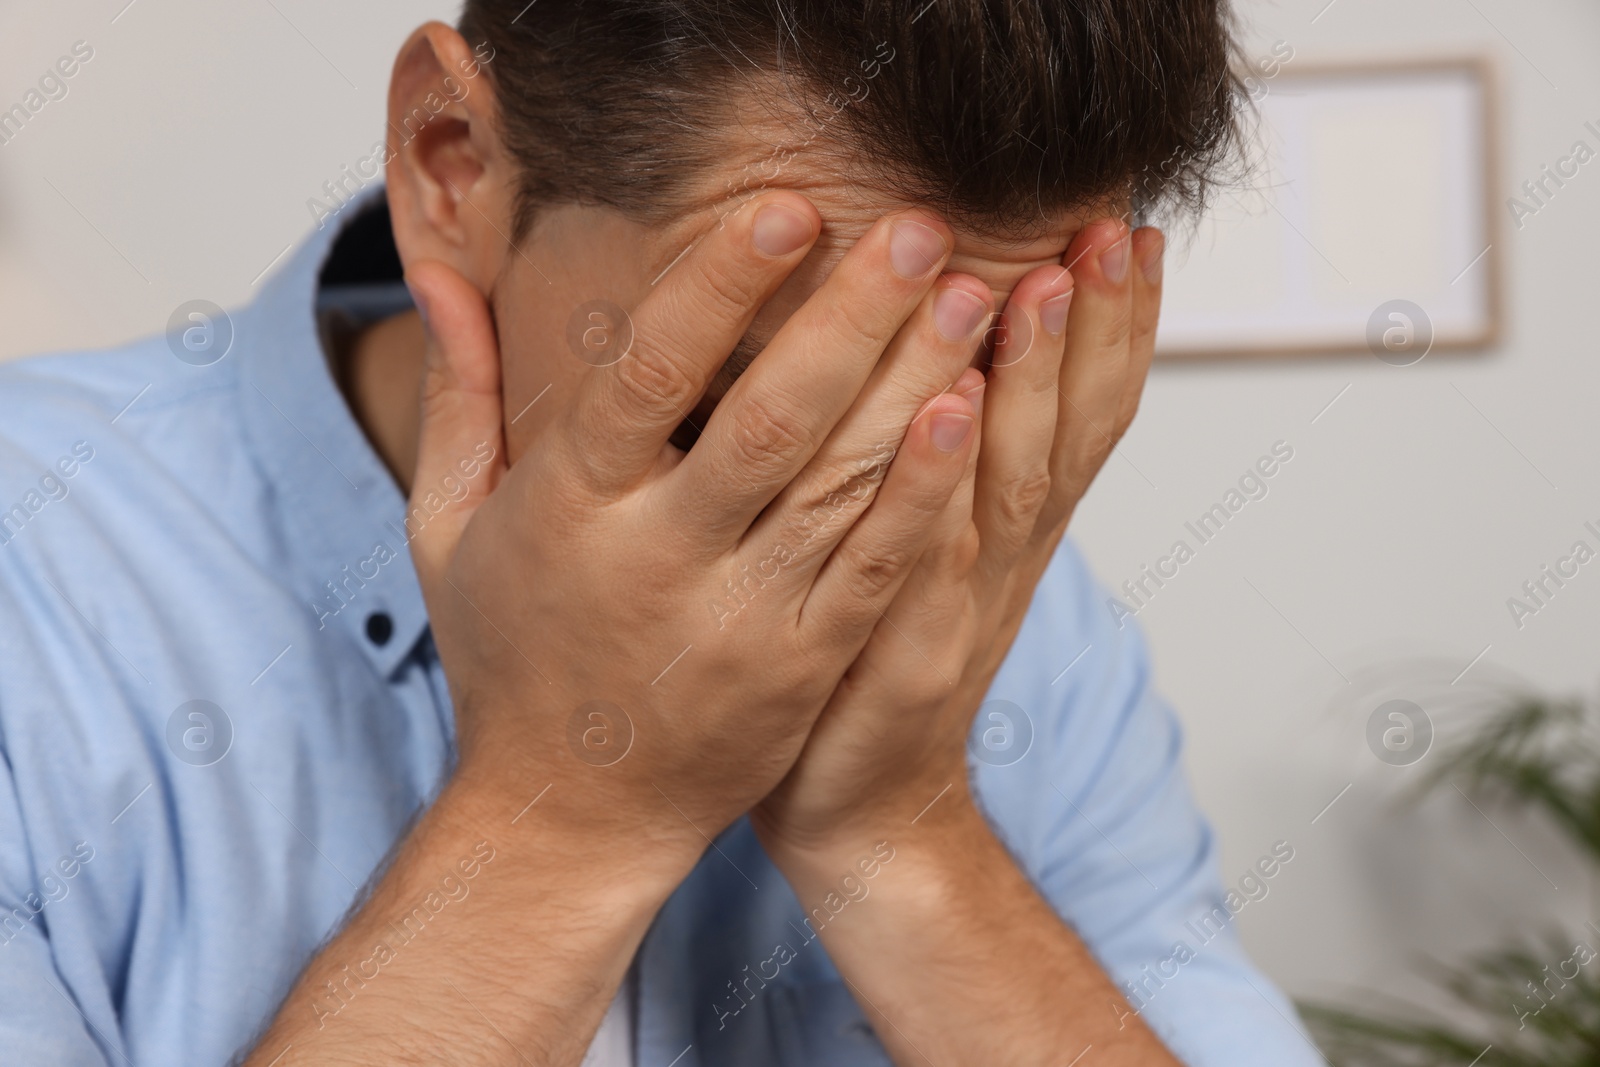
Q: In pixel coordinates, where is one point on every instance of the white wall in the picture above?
(184, 153)
(1414, 507)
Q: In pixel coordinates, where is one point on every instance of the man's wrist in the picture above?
(555, 828)
(937, 834)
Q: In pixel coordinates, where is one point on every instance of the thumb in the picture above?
(460, 440)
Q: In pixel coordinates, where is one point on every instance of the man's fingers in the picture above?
(683, 332)
(778, 415)
(1095, 364)
(953, 542)
(860, 578)
(930, 352)
(1022, 400)
(920, 649)
(1149, 249)
(460, 447)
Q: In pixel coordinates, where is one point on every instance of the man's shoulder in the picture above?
(122, 429)
(126, 492)
(49, 402)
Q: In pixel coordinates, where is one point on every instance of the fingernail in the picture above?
(914, 248)
(957, 313)
(1114, 262)
(948, 431)
(778, 230)
(1153, 259)
(1053, 313)
(421, 304)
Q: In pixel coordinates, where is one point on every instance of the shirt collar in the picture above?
(341, 507)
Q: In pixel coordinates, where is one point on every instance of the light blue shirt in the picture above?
(220, 708)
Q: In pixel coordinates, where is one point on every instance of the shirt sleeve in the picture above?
(1100, 815)
(40, 1017)
(40, 1021)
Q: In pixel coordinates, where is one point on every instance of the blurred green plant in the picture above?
(1534, 1004)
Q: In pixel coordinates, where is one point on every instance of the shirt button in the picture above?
(379, 628)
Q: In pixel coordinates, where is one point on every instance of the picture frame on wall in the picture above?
(1369, 222)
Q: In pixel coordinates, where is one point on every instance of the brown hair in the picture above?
(998, 113)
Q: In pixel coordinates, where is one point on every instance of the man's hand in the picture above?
(580, 604)
(1061, 391)
(958, 959)
(586, 602)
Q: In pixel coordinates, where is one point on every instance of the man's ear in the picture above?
(448, 176)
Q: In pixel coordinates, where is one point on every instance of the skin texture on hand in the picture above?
(588, 573)
(565, 583)
(578, 585)
(1053, 405)
(565, 559)
(954, 956)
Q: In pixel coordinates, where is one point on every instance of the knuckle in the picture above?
(950, 558)
(923, 500)
(825, 520)
(925, 689)
(1117, 327)
(1144, 329)
(651, 380)
(1019, 501)
(726, 291)
(1081, 467)
(1097, 450)
(766, 437)
(861, 320)
(874, 570)
(962, 554)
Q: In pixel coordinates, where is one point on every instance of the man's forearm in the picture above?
(487, 942)
(955, 957)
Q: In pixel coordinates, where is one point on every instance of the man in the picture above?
(694, 709)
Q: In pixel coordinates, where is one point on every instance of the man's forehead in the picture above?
(847, 188)
(1000, 264)
(849, 201)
